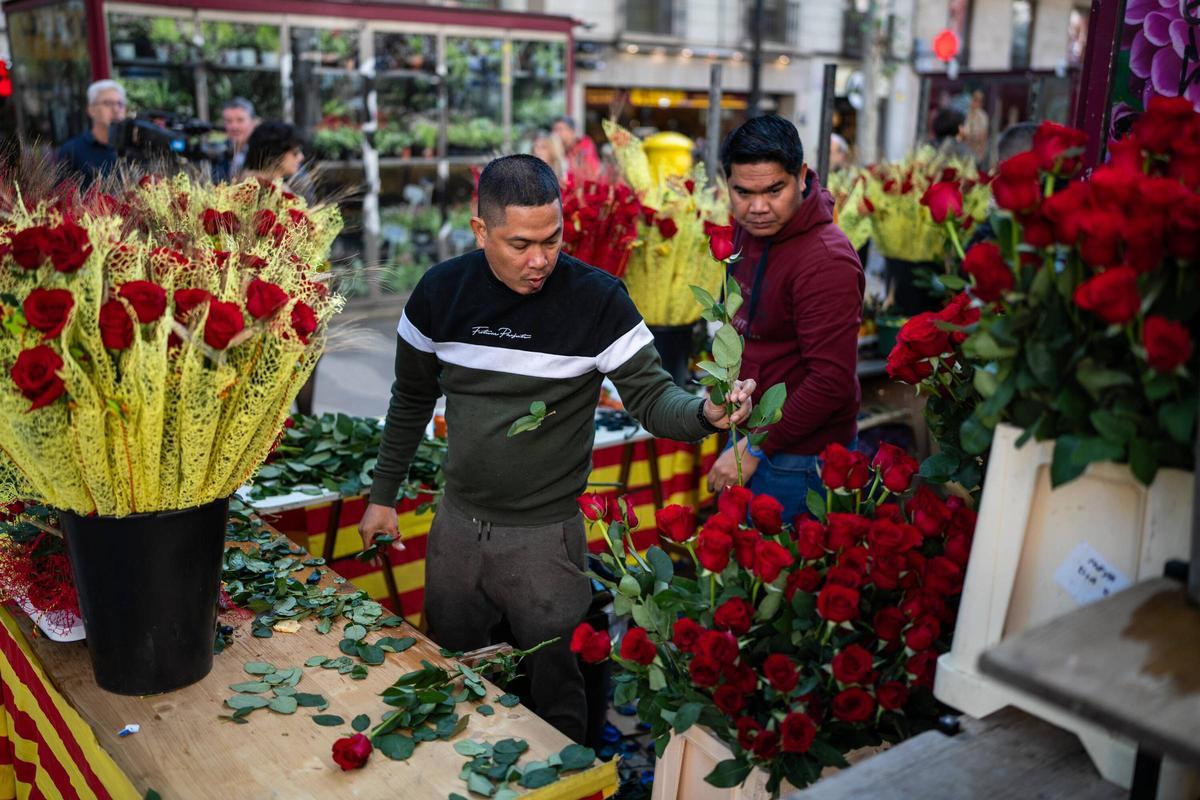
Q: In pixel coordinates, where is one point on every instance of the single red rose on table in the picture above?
(637, 647)
(676, 522)
(1112, 295)
(797, 732)
(853, 664)
(590, 644)
(781, 672)
(352, 752)
(992, 275)
(853, 705)
(149, 300)
(1168, 343)
(35, 372)
(47, 310)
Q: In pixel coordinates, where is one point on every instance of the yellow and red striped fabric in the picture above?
(46, 749)
(681, 472)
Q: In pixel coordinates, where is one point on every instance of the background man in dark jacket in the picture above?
(89, 155)
(803, 289)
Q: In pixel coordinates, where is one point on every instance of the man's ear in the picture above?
(479, 227)
(802, 176)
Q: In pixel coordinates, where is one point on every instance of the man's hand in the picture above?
(724, 472)
(739, 396)
(379, 520)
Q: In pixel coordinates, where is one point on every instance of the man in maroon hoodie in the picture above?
(803, 288)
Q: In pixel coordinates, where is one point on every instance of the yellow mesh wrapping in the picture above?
(168, 422)
(661, 270)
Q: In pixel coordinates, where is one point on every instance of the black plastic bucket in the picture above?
(148, 586)
(674, 345)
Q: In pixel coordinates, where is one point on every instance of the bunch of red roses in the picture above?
(1080, 316)
(600, 223)
(794, 643)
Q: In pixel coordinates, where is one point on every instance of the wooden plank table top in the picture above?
(185, 751)
(1130, 662)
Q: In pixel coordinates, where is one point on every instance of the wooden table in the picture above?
(52, 711)
(1130, 662)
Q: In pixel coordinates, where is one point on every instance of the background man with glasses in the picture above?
(89, 154)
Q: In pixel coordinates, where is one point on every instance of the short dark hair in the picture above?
(270, 142)
(946, 123)
(517, 180)
(1015, 139)
(568, 121)
(765, 138)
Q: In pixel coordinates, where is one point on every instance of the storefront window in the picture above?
(539, 86)
(1022, 38)
(475, 93)
(152, 58)
(407, 95)
(242, 61)
(328, 90)
(51, 69)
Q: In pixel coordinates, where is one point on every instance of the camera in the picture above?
(155, 135)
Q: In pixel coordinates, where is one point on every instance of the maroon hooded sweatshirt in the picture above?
(804, 330)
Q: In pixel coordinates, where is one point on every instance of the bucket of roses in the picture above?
(793, 644)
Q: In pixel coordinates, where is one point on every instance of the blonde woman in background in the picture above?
(548, 148)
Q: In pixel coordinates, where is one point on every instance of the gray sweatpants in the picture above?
(476, 572)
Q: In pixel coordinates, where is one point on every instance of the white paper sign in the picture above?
(1087, 577)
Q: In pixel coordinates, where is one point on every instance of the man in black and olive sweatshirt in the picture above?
(496, 330)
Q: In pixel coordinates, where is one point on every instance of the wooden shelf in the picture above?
(1129, 662)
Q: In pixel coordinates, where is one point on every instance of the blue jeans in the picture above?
(788, 478)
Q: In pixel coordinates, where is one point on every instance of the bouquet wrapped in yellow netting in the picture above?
(154, 337)
(673, 252)
(851, 209)
(901, 225)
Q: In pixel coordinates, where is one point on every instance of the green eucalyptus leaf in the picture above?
(395, 746)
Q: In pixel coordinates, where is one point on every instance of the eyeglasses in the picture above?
(110, 103)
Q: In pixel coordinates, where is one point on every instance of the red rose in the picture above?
(666, 227)
(780, 672)
(929, 513)
(676, 522)
(886, 569)
(844, 469)
(906, 366)
(722, 523)
(593, 506)
(802, 580)
(944, 200)
(922, 634)
(811, 539)
(188, 299)
(837, 604)
(767, 514)
(636, 646)
(747, 731)
(734, 502)
(890, 511)
(896, 468)
(741, 677)
(1168, 343)
(1112, 295)
(217, 222)
(992, 276)
(225, 321)
(914, 569)
(1058, 148)
(958, 549)
(687, 634)
(847, 530)
(922, 667)
(352, 752)
(264, 221)
(1145, 244)
(704, 671)
(1183, 232)
(843, 576)
(853, 705)
(1158, 129)
(888, 623)
(961, 312)
(304, 321)
(770, 558)
(30, 247)
(855, 559)
(962, 517)
(1101, 231)
(734, 615)
(1065, 209)
(1036, 230)
(729, 700)
(35, 373)
(47, 310)
(297, 216)
(891, 695)
(797, 732)
(720, 646)
(923, 336)
(149, 300)
(590, 644)
(116, 328)
(68, 247)
(853, 664)
(263, 299)
(943, 576)
(766, 745)
(720, 240)
(924, 602)
(713, 550)
(886, 536)
(745, 543)
(1016, 185)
